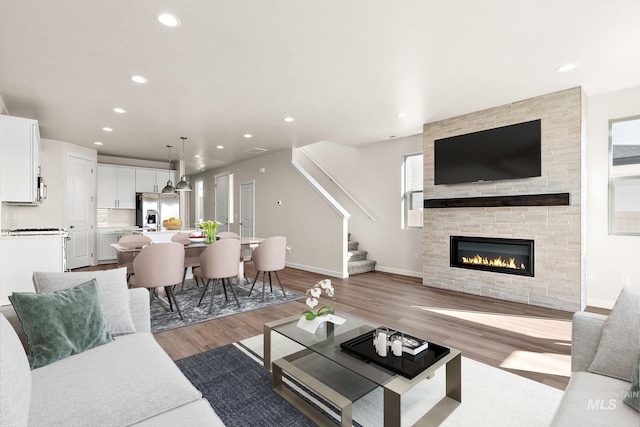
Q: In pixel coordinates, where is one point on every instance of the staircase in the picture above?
(358, 262)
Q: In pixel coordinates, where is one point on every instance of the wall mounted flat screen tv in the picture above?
(509, 152)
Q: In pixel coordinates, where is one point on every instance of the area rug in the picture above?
(238, 387)
(163, 320)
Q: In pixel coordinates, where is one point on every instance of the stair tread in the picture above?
(362, 262)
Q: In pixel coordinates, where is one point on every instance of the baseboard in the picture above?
(399, 271)
(601, 303)
(317, 270)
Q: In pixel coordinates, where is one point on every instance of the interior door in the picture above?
(80, 210)
(222, 201)
(247, 223)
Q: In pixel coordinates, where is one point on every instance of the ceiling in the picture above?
(342, 69)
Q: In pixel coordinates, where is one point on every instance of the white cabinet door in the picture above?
(106, 252)
(146, 181)
(20, 157)
(116, 187)
(126, 188)
(107, 197)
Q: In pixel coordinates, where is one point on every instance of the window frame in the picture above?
(408, 195)
(624, 175)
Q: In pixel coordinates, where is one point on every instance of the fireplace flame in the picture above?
(497, 262)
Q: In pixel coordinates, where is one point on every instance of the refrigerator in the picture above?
(153, 208)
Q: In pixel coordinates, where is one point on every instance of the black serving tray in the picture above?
(407, 365)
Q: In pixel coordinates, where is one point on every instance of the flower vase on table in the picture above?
(209, 228)
(313, 318)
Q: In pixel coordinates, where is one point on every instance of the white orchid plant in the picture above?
(312, 299)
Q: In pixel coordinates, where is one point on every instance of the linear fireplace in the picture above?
(510, 256)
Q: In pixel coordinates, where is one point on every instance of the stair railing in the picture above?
(344, 190)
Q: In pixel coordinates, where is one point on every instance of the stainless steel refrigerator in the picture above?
(153, 208)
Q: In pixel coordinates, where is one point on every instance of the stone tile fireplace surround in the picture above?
(555, 227)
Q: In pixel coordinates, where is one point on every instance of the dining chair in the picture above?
(269, 257)
(219, 262)
(228, 235)
(191, 255)
(245, 254)
(125, 259)
(160, 265)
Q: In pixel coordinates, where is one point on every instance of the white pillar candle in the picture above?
(396, 347)
(382, 344)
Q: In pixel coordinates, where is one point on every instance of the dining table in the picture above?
(195, 249)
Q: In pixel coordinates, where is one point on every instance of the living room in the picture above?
(601, 265)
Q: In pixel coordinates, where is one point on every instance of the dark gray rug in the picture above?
(239, 390)
(163, 320)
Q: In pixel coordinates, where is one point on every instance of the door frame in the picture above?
(253, 206)
(92, 203)
(229, 212)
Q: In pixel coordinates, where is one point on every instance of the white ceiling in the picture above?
(342, 68)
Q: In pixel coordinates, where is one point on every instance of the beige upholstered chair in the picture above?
(219, 262)
(160, 265)
(244, 256)
(191, 255)
(228, 235)
(125, 259)
(269, 257)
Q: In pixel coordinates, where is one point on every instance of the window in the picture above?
(413, 200)
(624, 176)
(199, 201)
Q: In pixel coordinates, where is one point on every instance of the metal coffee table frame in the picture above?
(392, 389)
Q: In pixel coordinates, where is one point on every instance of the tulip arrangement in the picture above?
(210, 228)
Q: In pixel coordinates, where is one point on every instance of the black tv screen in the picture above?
(509, 152)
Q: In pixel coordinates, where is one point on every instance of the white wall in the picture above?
(3, 107)
(608, 256)
(52, 212)
(314, 231)
(372, 173)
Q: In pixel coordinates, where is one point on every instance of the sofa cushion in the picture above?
(112, 287)
(198, 413)
(618, 348)
(15, 378)
(594, 400)
(125, 382)
(61, 323)
(633, 396)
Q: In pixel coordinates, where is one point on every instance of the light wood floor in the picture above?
(526, 340)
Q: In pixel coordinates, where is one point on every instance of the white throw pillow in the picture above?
(619, 341)
(112, 289)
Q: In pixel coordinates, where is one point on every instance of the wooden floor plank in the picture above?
(530, 341)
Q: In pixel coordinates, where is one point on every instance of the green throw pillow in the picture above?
(633, 396)
(61, 323)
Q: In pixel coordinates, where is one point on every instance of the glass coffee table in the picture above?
(342, 378)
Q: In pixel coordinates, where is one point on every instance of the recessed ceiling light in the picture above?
(401, 115)
(119, 110)
(219, 147)
(196, 155)
(138, 79)
(107, 129)
(248, 135)
(389, 137)
(288, 119)
(567, 67)
(98, 143)
(168, 19)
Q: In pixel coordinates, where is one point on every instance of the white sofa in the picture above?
(129, 381)
(594, 396)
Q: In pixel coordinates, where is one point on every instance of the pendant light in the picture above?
(183, 185)
(169, 187)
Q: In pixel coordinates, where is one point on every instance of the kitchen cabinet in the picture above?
(20, 256)
(106, 252)
(116, 187)
(153, 180)
(20, 160)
